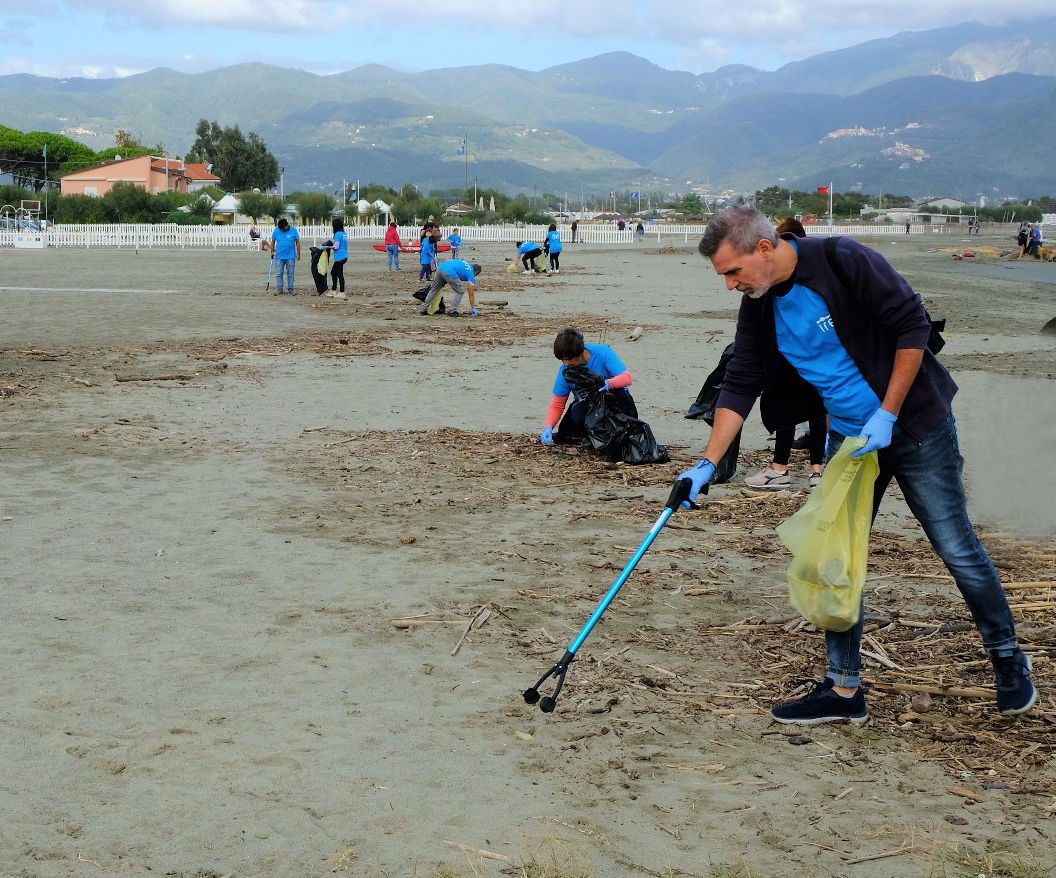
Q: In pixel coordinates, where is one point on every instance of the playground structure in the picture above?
(25, 222)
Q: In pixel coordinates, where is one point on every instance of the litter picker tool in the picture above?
(271, 270)
(547, 703)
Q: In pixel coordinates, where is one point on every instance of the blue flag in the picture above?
(634, 196)
(462, 148)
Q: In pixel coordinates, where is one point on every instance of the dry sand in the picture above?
(201, 673)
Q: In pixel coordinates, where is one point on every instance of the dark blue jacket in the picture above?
(878, 315)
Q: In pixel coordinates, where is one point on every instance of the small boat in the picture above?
(414, 248)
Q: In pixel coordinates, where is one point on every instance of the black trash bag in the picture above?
(611, 429)
(423, 292)
(704, 408)
(321, 282)
(704, 405)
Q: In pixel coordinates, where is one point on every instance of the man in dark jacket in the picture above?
(863, 348)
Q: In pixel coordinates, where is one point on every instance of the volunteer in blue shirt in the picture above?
(845, 322)
(286, 251)
(570, 349)
(553, 248)
(340, 256)
(462, 278)
(529, 251)
(455, 240)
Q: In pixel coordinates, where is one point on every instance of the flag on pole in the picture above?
(823, 190)
(634, 196)
(44, 152)
(462, 148)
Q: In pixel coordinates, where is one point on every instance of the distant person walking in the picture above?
(575, 229)
(392, 246)
(286, 251)
(337, 273)
(907, 227)
(639, 231)
(553, 248)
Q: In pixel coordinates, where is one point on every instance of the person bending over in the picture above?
(462, 278)
(529, 251)
(570, 349)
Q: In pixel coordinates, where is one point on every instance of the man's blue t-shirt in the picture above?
(458, 268)
(528, 247)
(455, 240)
(285, 242)
(554, 240)
(340, 246)
(806, 338)
(603, 361)
(428, 252)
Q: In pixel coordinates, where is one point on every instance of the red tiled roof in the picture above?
(200, 171)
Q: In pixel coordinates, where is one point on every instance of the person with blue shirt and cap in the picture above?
(462, 278)
(571, 350)
(832, 320)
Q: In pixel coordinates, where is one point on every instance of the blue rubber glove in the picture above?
(877, 431)
(603, 386)
(474, 312)
(547, 436)
(699, 476)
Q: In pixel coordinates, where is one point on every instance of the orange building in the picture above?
(150, 172)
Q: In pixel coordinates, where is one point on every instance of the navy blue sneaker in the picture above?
(1016, 692)
(822, 705)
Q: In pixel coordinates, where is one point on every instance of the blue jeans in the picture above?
(394, 256)
(288, 266)
(929, 474)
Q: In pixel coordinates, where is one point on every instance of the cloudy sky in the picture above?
(119, 37)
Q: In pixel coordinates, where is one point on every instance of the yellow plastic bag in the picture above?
(829, 541)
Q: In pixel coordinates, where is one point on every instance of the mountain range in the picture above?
(962, 110)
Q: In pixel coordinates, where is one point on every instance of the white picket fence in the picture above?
(148, 236)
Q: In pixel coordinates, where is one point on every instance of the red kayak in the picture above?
(414, 248)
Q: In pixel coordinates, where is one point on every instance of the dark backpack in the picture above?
(935, 341)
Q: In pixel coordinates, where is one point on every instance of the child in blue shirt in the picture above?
(455, 240)
(428, 257)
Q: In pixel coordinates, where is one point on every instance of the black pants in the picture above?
(784, 437)
(531, 256)
(572, 426)
(555, 260)
(337, 275)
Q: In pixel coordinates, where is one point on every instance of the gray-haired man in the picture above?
(844, 322)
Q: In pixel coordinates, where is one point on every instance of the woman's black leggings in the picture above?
(337, 275)
(555, 260)
(784, 437)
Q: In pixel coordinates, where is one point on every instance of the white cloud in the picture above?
(90, 69)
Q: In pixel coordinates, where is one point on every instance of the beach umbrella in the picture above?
(491, 205)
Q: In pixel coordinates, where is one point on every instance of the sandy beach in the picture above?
(244, 535)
